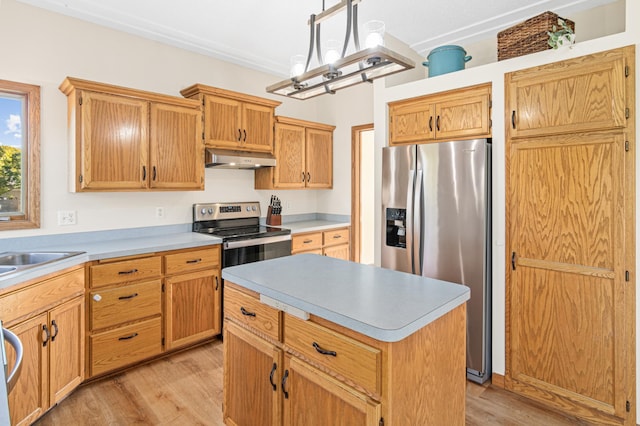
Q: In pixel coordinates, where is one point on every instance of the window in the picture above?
(19, 155)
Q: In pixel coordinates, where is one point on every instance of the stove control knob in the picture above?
(210, 211)
(248, 208)
(253, 208)
(203, 211)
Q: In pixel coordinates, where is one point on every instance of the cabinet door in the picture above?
(585, 93)
(252, 385)
(66, 348)
(115, 142)
(411, 122)
(257, 128)
(222, 122)
(339, 252)
(29, 399)
(176, 149)
(192, 307)
(319, 158)
(290, 151)
(312, 398)
(463, 117)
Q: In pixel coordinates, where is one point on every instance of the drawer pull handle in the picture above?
(217, 285)
(45, 330)
(129, 272)
(335, 237)
(307, 241)
(131, 296)
(131, 336)
(273, 371)
(323, 351)
(54, 326)
(247, 313)
(284, 382)
(194, 261)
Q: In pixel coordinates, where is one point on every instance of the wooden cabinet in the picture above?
(125, 312)
(48, 316)
(332, 243)
(140, 307)
(304, 156)
(570, 225)
(192, 296)
(589, 95)
(235, 120)
(457, 114)
(125, 139)
(281, 370)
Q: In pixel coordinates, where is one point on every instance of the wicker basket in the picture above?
(529, 36)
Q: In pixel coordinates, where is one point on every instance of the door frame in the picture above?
(356, 158)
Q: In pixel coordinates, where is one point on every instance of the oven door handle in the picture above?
(255, 242)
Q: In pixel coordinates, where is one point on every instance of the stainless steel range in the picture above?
(244, 240)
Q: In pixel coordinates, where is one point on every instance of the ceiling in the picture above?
(264, 34)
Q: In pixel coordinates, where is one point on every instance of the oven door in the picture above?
(254, 250)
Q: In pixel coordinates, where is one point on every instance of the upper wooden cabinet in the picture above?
(304, 156)
(126, 139)
(552, 99)
(235, 120)
(458, 114)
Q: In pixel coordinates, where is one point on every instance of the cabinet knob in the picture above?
(97, 297)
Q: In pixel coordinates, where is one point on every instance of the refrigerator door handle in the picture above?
(417, 223)
(409, 237)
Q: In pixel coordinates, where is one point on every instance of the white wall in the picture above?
(494, 73)
(43, 47)
(367, 197)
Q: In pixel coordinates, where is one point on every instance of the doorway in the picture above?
(362, 194)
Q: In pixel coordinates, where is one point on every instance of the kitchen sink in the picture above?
(17, 261)
(7, 269)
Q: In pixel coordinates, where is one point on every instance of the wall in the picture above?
(494, 73)
(45, 47)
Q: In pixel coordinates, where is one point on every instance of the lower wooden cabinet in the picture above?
(317, 373)
(51, 328)
(332, 243)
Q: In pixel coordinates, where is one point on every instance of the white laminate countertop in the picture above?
(380, 303)
(98, 250)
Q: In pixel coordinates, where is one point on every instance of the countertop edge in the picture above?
(384, 335)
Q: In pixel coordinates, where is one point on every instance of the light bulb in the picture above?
(374, 31)
(298, 63)
(332, 51)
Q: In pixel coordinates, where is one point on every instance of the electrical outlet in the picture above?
(159, 212)
(66, 217)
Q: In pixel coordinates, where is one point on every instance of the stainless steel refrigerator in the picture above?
(436, 210)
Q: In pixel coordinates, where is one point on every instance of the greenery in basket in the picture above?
(560, 36)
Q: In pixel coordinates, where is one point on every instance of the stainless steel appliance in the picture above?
(436, 210)
(244, 240)
(9, 377)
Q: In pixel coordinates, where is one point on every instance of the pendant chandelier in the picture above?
(337, 71)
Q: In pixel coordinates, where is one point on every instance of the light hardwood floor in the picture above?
(186, 389)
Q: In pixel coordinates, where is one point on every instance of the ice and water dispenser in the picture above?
(396, 228)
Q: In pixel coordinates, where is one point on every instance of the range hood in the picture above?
(222, 159)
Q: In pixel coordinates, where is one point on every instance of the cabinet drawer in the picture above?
(125, 270)
(192, 260)
(306, 242)
(351, 359)
(41, 296)
(250, 311)
(126, 345)
(337, 236)
(123, 304)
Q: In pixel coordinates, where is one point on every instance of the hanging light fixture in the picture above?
(337, 71)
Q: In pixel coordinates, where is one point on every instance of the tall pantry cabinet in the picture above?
(570, 223)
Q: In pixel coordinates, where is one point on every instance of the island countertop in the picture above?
(380, 303)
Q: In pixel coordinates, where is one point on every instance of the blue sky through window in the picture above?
(11, 121)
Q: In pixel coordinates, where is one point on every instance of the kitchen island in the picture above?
(314, 340)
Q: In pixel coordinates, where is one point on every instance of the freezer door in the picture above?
(398, 171)
(455, 226)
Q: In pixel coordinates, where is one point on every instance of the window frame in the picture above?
(30, 216)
